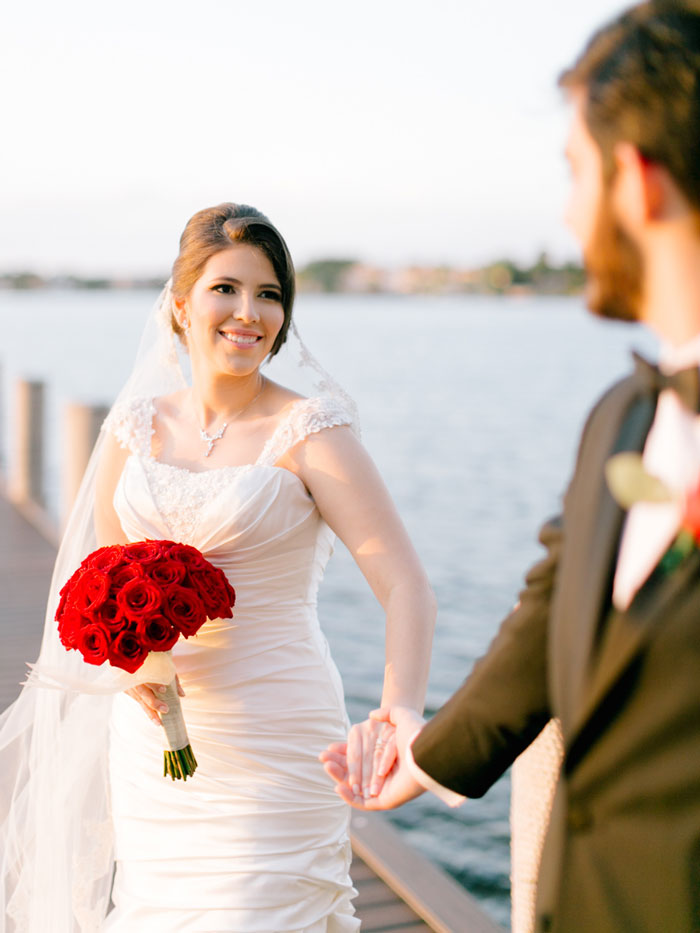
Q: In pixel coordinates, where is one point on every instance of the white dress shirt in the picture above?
(671, 453)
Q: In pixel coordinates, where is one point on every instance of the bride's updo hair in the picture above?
(217, 228)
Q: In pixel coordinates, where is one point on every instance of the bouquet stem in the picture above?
(179, 761)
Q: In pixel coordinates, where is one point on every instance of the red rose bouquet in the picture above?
(127, 605)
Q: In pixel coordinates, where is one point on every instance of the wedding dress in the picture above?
(257, 840)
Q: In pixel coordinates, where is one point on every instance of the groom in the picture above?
(606, 636)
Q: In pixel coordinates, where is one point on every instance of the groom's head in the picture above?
(634, 146)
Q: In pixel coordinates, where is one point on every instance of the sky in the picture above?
(391, 131)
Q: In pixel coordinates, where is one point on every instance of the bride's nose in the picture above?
(246, 311)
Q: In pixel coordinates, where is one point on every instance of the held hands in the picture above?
(370, 769)
(149, 696)
(370, 754)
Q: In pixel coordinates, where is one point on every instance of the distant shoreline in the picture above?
(347, 276)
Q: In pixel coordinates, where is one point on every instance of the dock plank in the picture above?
(427, 890)
(26, 563)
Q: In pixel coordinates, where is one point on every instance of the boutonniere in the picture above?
(629, 483)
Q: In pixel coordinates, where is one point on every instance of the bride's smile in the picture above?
(240, 338)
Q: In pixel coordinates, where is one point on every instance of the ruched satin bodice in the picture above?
(258, 523)
(256, 841)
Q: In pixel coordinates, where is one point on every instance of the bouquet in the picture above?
(127, 605)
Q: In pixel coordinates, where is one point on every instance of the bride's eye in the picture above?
(224, 288)
(271, 295)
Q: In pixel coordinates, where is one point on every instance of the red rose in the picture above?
(157, 633)
(61, 603)
(122, 575)
(127, 652)
(184, 609)
(691, 518)
(93, 643)
(90, 590)
(70, 623)
(68, 585)
(187, 555)
(111, 616)
(166, 572)
(139, 598)
(106, 558)
(144, 552)
(215, 591)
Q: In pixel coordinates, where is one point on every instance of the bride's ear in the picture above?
(179, 312)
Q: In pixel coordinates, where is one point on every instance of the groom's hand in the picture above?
(398, 785)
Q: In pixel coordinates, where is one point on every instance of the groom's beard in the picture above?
(614, 269)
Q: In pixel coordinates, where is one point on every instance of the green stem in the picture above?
(179, 764)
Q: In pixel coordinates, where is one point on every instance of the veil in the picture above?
(56, 847)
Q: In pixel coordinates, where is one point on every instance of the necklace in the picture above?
(211, 439)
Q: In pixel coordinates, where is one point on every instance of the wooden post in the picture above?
(27, 449)
(81, 427)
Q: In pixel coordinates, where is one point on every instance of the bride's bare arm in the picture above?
(352, 498)
(107, 526)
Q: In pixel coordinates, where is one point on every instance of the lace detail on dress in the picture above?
(180, 494)
(306, 416)
(131, 422)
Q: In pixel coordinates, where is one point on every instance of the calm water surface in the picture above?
(472, 409)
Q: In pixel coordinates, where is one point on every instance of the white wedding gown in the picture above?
(257, 840)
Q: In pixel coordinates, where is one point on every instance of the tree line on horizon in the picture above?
(339, 276)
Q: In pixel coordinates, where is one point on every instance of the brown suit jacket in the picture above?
(623, 848)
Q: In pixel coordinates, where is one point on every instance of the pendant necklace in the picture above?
(211, 439)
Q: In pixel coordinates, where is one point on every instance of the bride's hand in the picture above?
(150, 696)
(371, 753)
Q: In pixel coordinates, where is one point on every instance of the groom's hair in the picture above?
(641, 77)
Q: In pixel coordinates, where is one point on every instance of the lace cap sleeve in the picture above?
(131, 422)
(306, 416)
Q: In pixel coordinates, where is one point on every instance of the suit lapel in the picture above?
(628, 632)
(598, 518)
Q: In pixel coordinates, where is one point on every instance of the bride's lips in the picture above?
(242, 339)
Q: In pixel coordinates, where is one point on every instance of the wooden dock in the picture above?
(400, 891)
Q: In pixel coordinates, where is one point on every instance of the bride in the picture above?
(260, 478)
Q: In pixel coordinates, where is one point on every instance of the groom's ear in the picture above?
(644, 192)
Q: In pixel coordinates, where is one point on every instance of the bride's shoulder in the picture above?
(305, 412)
(280, 399)
(169, 406)
(299, 417)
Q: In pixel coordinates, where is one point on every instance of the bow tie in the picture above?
(685, 383)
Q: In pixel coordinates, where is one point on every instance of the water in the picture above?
(471, 408)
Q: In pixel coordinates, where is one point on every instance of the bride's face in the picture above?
(234, 311)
